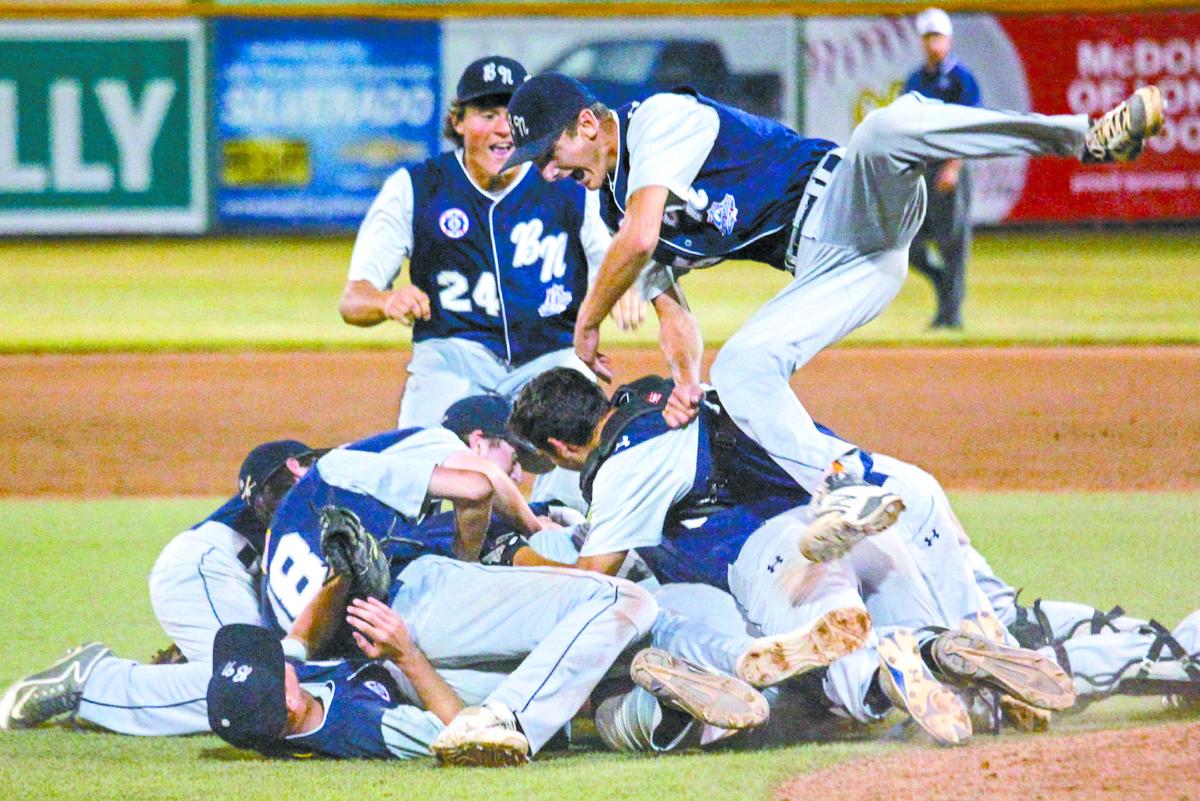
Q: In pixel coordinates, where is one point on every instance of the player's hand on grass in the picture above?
(587, 348)
(630, 311)
(380, 632)
(683, 405)
(407, 304)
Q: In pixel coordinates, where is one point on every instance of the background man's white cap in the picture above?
(934, 20)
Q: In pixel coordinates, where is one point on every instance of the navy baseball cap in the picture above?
(489, 414)
(262, 462)
(540, 110)
(490, 75)
(247, 706)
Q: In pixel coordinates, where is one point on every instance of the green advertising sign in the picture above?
(102, 127)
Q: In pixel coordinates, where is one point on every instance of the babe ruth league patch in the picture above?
(454, 223)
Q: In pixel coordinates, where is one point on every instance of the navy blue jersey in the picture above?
(235, 514)
(700, 550)
(509, 274)
(355, 696)
(737, 486)
(743, 200)
(951, 82)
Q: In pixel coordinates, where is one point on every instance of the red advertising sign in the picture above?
(1088, 64)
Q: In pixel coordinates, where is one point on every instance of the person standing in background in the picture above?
(948, 214)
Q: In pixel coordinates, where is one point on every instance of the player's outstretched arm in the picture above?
(380, 633)
(313, 627)
(506, 495)
(682, 345)
(631, 248)
(364, 305)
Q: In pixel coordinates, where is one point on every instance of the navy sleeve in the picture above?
(970, 89)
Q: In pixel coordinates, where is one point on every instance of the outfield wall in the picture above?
(185, 119)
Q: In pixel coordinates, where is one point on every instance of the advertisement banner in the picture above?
(1052, 64)
(312, 116)
(102, 127)
(746, 61)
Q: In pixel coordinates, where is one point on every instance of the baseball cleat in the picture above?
(1021, 716)
(770, 660)
(910, 685)
(1026, 675)
(847, 509)
(1121, 132)
(482, 736)
(716, 699)
(54, 691)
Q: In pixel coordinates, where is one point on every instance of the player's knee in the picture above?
(880, 131)
(636, 605)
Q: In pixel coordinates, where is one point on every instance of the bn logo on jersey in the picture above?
(454, 223)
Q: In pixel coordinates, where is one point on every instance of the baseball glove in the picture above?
(352, 552)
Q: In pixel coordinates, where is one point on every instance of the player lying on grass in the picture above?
(694, 502)
(210, 575)
(690, 182)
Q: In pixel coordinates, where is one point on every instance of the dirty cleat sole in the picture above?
(486, 748)
(719, 700)
(1026, 675)
(912, 688)
(770, 660)
(1120, 134)
(847, 516)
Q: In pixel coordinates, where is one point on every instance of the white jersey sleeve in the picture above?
(385, 238)
(669, 137)
(398, 481)
(434, 444)
(593, 234)
(635, 489)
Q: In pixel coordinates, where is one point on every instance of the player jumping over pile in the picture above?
(692, 182)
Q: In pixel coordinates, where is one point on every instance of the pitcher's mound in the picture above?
(1158, 763)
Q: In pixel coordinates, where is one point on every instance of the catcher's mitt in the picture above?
(351, 551)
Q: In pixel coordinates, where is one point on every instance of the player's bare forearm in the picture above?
(505, 496)
(631, 248)
(608, 563)
(381, 633)
(682, 345)
(314, 626)
(362, 304)
(471, 520)
(436, 695)
(679, 337)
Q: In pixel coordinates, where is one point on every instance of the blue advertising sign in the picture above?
(311, 116)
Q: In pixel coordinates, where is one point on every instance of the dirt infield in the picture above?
(1158, 763)
(1069, 418)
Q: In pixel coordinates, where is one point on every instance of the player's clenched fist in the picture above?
(380, 632)
(683, 405)
(406, 304)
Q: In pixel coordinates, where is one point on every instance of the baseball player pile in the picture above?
(701, 562)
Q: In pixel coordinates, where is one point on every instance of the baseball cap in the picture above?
(262, 462)
(489, 414)
(540, 110)
(246, 701)
(934, 20)
(490, 75)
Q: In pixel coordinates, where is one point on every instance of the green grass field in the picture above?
(75, 571)
(88, 295)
